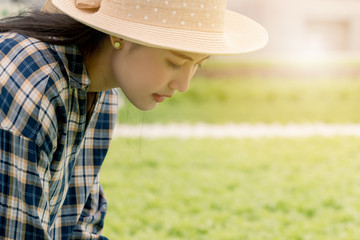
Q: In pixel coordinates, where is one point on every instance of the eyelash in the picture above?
(177, 67)
(173, 65)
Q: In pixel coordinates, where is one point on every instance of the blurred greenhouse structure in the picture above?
(306, 28)
(10, 7)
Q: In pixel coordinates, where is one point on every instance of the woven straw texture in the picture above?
(201, 26)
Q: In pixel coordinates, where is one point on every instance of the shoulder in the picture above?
(22, 56)
(29, 74)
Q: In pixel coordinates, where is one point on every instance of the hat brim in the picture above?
(241, 34)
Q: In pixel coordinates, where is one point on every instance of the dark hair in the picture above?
(54, 28)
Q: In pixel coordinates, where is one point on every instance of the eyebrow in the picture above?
(181, 55)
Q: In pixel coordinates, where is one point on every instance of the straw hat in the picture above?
(199, 26)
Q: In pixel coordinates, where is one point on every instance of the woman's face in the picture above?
(147, 75)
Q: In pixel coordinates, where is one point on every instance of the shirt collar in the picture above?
(72, 59)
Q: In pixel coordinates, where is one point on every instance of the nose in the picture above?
(181, 85)
(181, 82)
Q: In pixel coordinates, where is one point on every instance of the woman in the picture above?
(58, 72)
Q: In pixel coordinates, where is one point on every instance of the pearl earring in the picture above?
(117, 45)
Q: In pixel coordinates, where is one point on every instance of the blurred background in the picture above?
(314, 29)
(249, 188)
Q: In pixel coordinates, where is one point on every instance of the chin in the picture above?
(144, 107)
(142, 104)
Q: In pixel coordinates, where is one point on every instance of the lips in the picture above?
(160, 98)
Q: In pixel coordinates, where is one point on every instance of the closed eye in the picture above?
(173, 65)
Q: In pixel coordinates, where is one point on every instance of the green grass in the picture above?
(255, 100)
(242, 189)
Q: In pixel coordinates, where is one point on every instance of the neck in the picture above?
(98, 66)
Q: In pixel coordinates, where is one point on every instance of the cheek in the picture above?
(152, 74)
(147, 73)
(140, 74)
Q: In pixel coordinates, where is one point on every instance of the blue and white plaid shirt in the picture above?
(49, 157)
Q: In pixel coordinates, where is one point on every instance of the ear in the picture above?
(115, 40)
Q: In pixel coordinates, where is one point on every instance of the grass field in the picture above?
(265, 95)
(242, 189)
(222, 101)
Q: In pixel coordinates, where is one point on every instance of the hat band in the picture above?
(86, 4)
(196, 15)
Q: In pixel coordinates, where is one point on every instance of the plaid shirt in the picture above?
(49, 156)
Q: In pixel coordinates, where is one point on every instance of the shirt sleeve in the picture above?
(91, 221)
(86, 222)
(24, 206)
